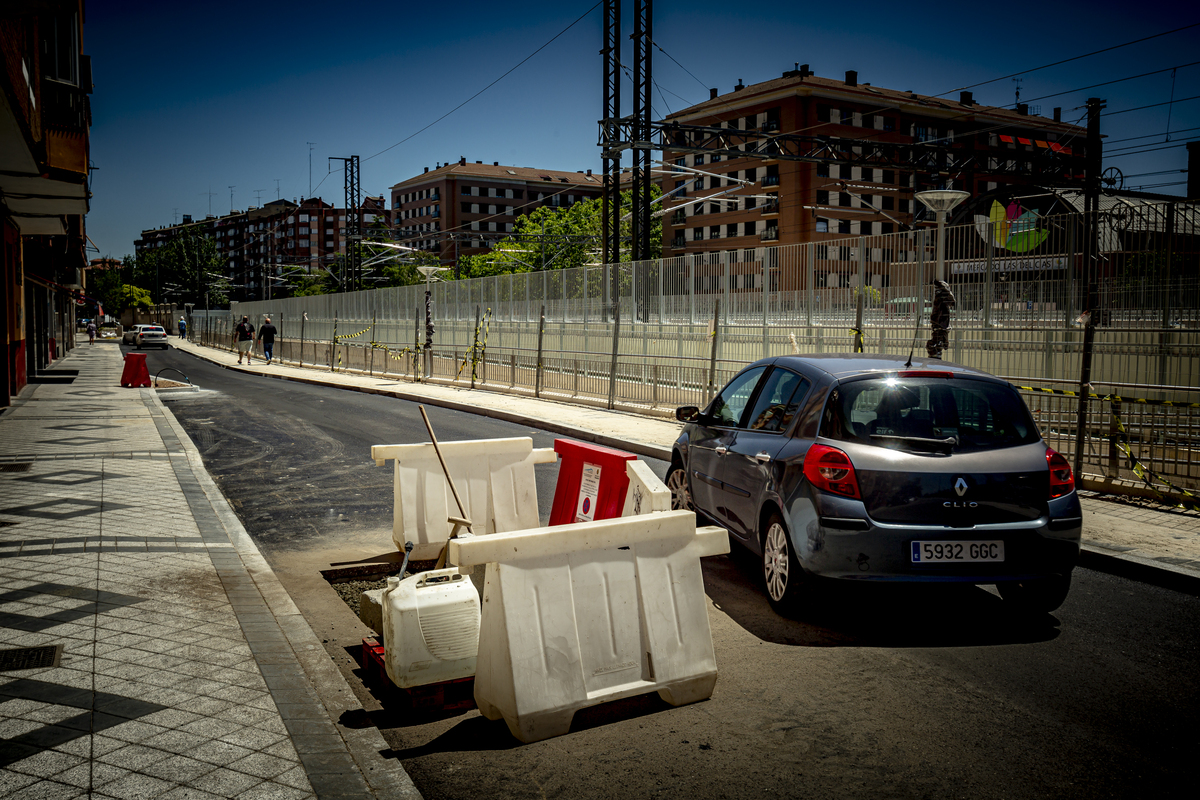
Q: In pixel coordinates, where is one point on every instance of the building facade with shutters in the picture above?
(462, 208)
(793, 201)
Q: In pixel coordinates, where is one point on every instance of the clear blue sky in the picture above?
(193, 98)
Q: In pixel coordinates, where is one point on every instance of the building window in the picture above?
(843, 199)
(888, 176)
(822, 170)
(903, 206)
(714, 231)
(843, 226)
(731, 229)
(888, 202)
(822, 225)
(466, 207)
(466, 190)
(822, 197)
(889, 123)
(749, 227)
(698, 160)
(697, 234)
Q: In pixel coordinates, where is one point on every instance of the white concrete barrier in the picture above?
(494, 478)
(581, 614)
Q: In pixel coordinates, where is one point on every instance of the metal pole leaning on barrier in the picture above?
(462, 516)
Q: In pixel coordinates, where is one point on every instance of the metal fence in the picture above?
(687, 324)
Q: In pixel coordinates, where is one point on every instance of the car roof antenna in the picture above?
(916, 330)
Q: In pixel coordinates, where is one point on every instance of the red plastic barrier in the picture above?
(598, 494)
(135, 374)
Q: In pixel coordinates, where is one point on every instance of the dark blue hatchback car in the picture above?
(859, 467)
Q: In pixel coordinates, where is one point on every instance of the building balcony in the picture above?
(771, 234)
(771, 207)
(678, 218)
(770, 180)
(678, 243)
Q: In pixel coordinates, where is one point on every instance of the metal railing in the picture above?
(687, 324)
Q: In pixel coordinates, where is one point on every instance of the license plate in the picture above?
(941, 552)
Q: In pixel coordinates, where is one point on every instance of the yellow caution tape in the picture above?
(1148, 475)
(1115, 398)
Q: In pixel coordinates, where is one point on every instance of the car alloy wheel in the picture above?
(681, 496)
(783, 577)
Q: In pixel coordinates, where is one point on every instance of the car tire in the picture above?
(783, 578)
(681, 493)
(1038, 595)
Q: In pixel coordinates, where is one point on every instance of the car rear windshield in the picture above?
(946, 414)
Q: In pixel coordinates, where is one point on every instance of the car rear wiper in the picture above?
(949, 442)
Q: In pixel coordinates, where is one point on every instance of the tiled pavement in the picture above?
(173, 664)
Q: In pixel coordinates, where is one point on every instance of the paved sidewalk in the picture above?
(146, 648)
(1130, 536)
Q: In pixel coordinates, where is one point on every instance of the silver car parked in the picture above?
(871, 468)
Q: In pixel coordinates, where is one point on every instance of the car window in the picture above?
(777, 401)
(890, 412)
(726, 410)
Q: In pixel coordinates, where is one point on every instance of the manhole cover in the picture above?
(30, 657)
(16, 467)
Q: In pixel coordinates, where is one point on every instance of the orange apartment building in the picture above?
(794, 202)
(459, 209)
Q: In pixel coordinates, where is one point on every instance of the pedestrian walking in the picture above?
(266, 335)
(182, 328)
(939, 319)
(245, 338)
(91, 331)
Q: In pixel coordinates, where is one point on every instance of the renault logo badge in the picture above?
(960, 486)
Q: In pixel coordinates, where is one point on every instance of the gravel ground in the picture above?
(350, 591)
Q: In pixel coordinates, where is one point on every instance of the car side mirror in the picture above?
(687, 413)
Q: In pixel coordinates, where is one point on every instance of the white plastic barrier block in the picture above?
(430, 628)
(494, 478)
(578, 615)
(646, 493)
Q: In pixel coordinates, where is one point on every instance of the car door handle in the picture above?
(721, 450)
(762, 457)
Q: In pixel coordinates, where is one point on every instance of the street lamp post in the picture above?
(941, 201)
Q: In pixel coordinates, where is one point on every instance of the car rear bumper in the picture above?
(885, 552)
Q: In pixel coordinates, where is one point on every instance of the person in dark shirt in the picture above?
(244, 333)
(939, 319)
(266, 335)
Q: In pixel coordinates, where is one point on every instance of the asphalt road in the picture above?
(880, 693)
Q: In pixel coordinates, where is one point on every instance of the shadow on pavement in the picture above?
(873, 615)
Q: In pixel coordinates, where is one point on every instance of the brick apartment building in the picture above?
(461, 209)
(260, 242)
(797, 202)
(45, 116)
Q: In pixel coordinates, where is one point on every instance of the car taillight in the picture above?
(1061, 480)
(830, 469)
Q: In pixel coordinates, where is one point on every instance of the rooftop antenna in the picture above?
(230, 199)
(176, 214)
(1017, 81)
(210, 194)
(277, 188)
(258, 197)
(310, 149)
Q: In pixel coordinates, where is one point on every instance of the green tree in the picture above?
(558, 238)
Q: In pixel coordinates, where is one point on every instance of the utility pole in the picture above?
(1091, 265)
(611, 147)
(352, 264)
